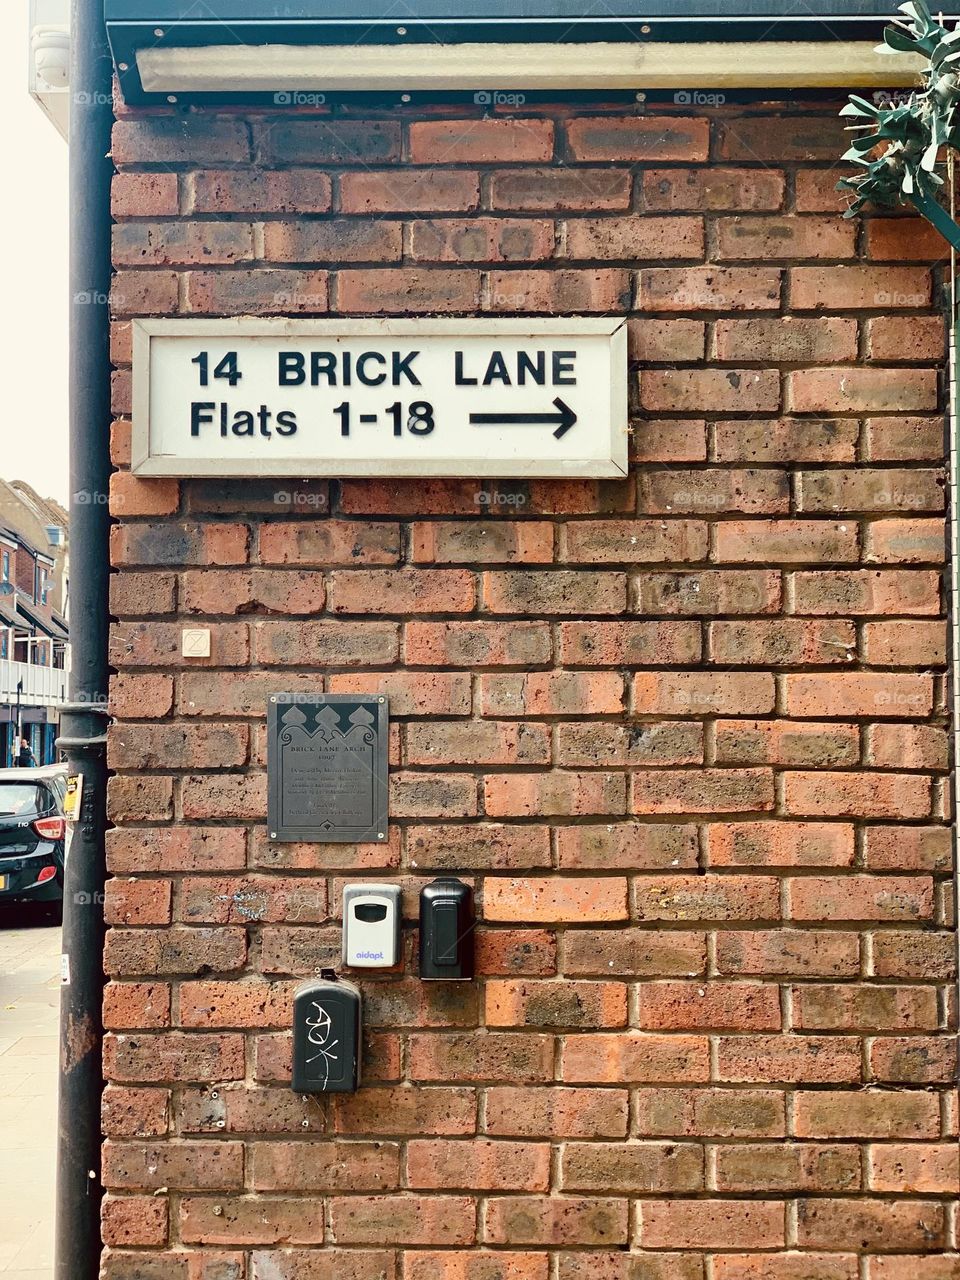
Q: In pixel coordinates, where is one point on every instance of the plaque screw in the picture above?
(381, 835)
(159, 31)
(401, 31)
(381, 699)
(273, 835)
(273, 699)
(124, 66)
(171, 97)
(405, 97)
(214, 1093)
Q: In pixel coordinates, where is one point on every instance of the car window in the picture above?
(18, 798)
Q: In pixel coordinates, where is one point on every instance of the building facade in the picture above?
(34, 636)
(684, 733)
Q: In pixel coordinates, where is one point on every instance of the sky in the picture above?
(33, 231)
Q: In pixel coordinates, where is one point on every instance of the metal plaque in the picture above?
(327, 767)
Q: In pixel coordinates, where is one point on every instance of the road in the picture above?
(29, 1005)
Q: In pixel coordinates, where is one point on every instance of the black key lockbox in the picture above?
(327, 1028)
(446, 930)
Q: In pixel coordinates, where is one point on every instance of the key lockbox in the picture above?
(446, 930)
(327, 1027)
(371, 926)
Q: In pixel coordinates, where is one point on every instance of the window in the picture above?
(4, 644)
(5, 567)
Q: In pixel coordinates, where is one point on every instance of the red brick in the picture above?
(632, 239)
(905, 643)
(401, 591)
(786, 1266)
(646, 138)
(853, 288)
(709, 693)
(412, 693)
(259, 291)
(903, 439)
(473, 644)
(868, 1114)
(630, 1266)
(635, 541)
(179, 544)
(478, 1165)
(190, 1166)
(860, 795)
(144, 195)
(569, 693)
(342, 644)
(479, 846)
(786, 541)
(407, 1111)
(914, 338)
(928, 1267)
(481, 141)
(333, 1166)
(864, 1008)
(482, 542)
(907, 541)
(716, 390)
(673, 341)
(713, 188)
(410, 289)
(134, 1113)
(175, 849)
(631, 1167)
(787, 1168)
(816, 191)
(251, 1220)
(784, 439)
(801, 138)
(931, 1169)
(928, 1060)
(667, 742)
(780, 844)
(530, 1112)
(554, 794)
(867, 591)
(889, 898)
(887, 489)
(251, 899)
(904, 240)
(409, 190)
(130, 496)
(480, 239)
(706, 897)
(709, 1113)
(314, 140)
(629, 644)
(512, 1003)
(634, 953)
(316, 1264)
(434, 1220)
(709, 289)
(329, 542)
(710, 1224)
(333, 242)
(555, 1221)
(666, 439)
(139, 594)
(873, 1224)
(601, 289)
(788, 239)
(854, 391)
(907, 849)
(559, 190)
(803, 1059)
(254, 190)
(703, 791)
(786, 742)
(135, 1006)
(178, 244)
(499, 1265)
(782, 642)
(150, 1059)
(635, 1058)
(556, 900)
(128, 1221)
(861, 693)
(788, 339)
(473, 743)
(716, 1006)
(502, 1057)
(173, 950)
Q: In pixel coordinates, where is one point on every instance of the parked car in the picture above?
(33, 833)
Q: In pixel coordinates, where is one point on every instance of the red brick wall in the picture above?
(685, 733)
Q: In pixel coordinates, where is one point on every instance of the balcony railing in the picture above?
(42, 686)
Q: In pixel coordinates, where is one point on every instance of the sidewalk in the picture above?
(29, 1012)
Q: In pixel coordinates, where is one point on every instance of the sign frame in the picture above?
(147, 464)
(378, 707)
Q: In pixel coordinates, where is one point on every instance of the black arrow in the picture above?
(563, 420)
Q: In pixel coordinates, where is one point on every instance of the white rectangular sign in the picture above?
(298, 398)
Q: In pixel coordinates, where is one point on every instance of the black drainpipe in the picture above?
(84, 718)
